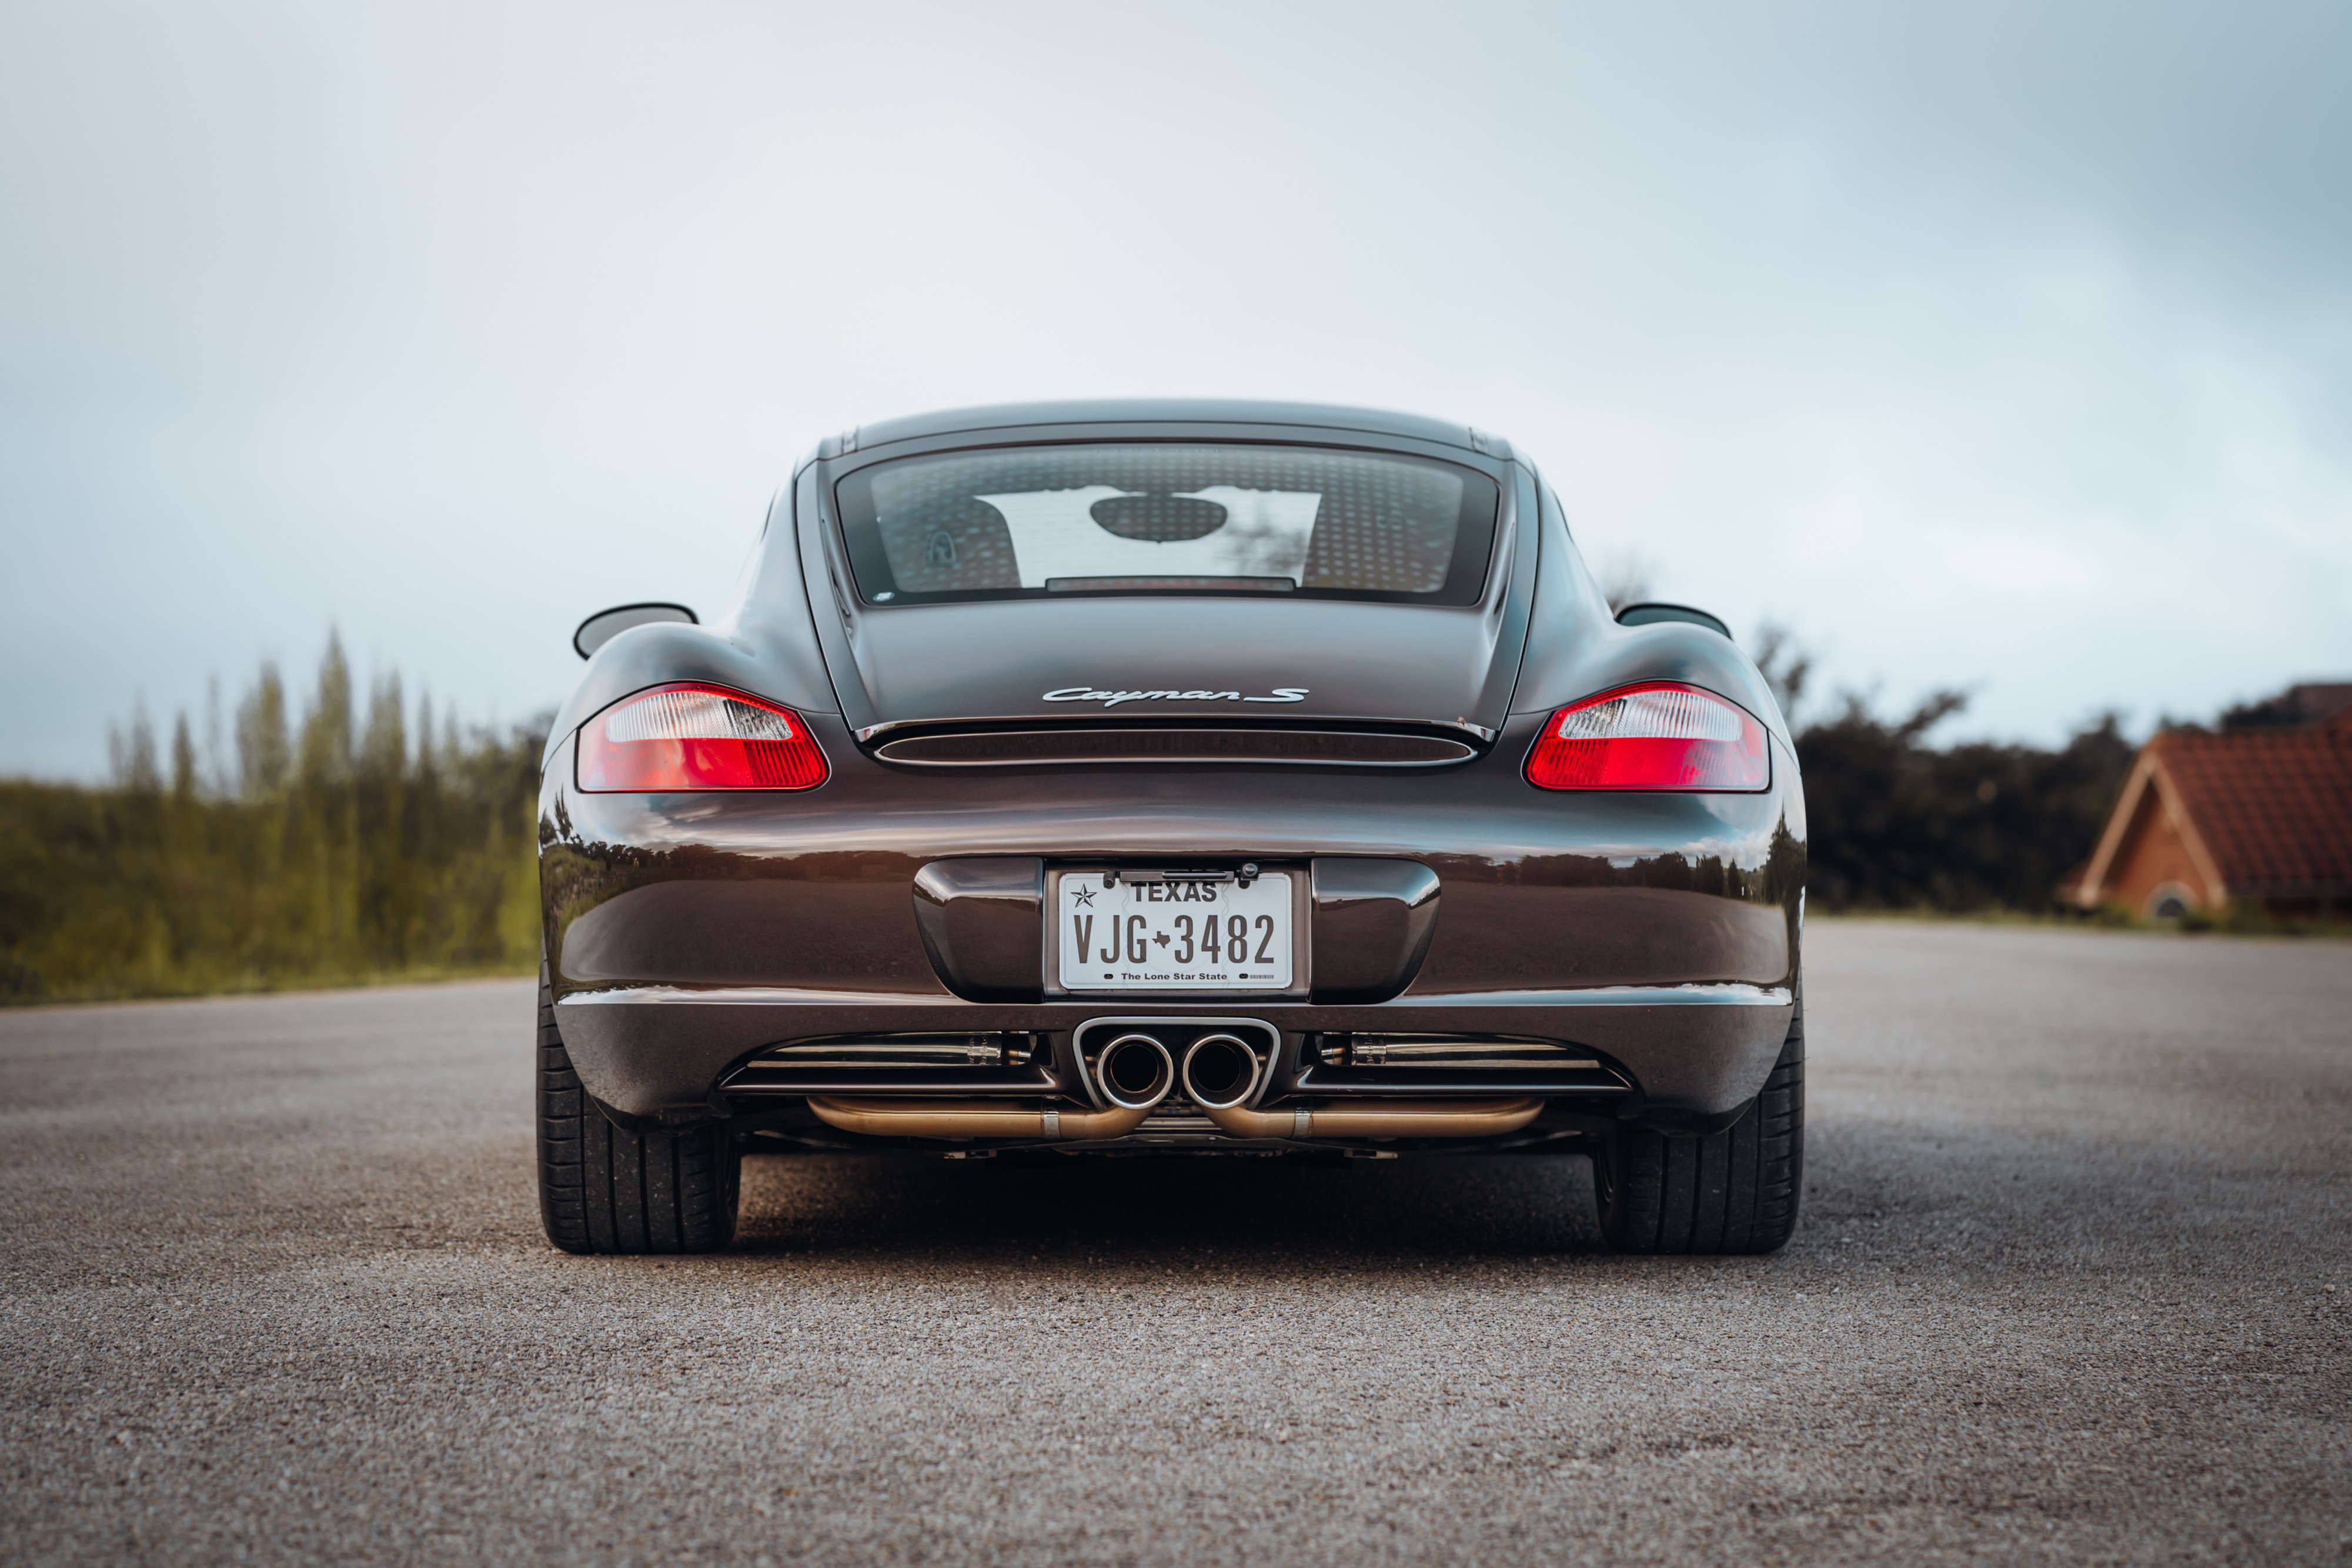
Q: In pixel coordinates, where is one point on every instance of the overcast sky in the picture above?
(2003, 346)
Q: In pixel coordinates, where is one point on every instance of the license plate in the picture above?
(1124, 935)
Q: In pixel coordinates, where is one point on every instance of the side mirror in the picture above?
(606, 624)
(1650, 615)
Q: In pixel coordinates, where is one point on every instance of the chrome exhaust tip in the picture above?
(1220, 1072)
(1135, 1073)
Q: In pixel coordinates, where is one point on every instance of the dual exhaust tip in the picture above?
(1136, 1072)
(1220, 1073)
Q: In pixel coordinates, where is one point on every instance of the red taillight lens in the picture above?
(694, 736)
(1657, 736)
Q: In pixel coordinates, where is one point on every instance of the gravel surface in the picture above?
(2071, 1283)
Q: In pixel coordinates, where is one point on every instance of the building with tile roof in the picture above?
(2259, 816)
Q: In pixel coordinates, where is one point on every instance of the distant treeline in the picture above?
(340, 848)
(1897, 823)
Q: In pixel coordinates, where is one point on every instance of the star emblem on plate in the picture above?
(1084, 897)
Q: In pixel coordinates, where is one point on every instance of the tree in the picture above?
(263, 757)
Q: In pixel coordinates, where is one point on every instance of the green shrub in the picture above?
(338, 854)
(1896, 823)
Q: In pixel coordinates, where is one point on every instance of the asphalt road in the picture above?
(2072, 1283)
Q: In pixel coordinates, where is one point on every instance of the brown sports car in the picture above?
(1169, 778)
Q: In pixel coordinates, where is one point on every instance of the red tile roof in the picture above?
(2272, 806)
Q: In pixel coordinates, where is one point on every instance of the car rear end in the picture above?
(1322, 810)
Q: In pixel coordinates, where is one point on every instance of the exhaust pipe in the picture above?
(1221, 1072)
(999, 1119)
(1379, 1119)
(1134, 1072)
(975, 1119)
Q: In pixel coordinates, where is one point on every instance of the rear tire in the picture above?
(603, 1189)
(1728, 1192)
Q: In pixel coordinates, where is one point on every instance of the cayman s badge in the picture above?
(1112, 699)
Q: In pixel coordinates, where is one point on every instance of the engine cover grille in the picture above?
(1293, 748)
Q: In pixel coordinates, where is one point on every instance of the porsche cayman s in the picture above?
(1095, 779)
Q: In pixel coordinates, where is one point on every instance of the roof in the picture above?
(2272, 806)
(1139, 411)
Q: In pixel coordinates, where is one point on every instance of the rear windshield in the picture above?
(1034, 522)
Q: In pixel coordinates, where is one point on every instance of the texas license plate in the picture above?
(1118, 935)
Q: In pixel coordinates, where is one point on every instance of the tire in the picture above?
(1729, 1192)
(604, 1190)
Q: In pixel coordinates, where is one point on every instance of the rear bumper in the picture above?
(687, 932)
(1694, 1052)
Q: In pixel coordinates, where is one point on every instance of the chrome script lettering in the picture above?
(1113, 699)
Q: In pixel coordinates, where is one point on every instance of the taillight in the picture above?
(1660, 735)
(694, 736)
